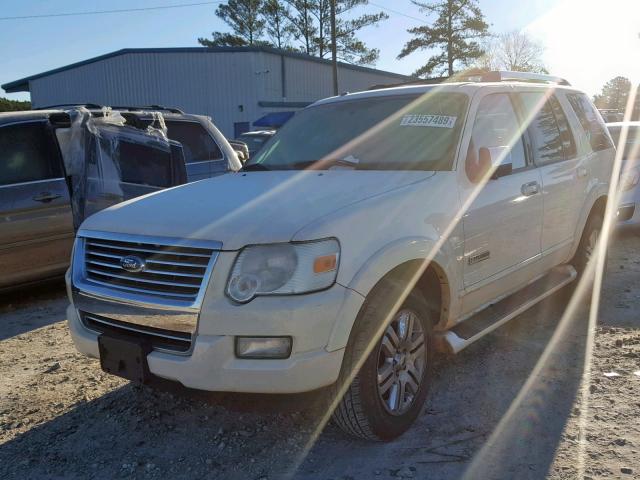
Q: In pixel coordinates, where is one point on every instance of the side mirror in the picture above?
(488, 159)
(497, 159)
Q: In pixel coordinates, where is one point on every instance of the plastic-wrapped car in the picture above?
(207, 152)
(57, 168)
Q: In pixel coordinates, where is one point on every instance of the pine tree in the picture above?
(350, 48)
(455, 32)
(246, 21)
(614, 94)
(311, 21)
(277, 25)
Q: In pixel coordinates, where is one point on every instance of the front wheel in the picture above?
(387, 394)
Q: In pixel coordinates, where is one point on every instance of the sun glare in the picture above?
(586, 40)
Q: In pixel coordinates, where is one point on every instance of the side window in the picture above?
(568, 142)
(590, 121)
(496, 126)
(546, 136)
(196, 142)
(152, 166)
(27, 154)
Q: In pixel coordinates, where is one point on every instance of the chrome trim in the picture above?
(165, 241)
(178, 319)
(145, 250)
(55, 179)
(132, 328)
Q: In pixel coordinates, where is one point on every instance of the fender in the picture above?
(386, 259)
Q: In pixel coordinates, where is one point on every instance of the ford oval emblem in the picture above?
(132, 263)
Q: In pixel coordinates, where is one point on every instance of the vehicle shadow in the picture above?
(17, 307)
(136, 432)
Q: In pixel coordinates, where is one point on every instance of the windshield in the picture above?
(254, 142)
(406, 132)
(632, 145)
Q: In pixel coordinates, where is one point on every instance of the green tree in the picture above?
(454, 33)
(312, 23)
(301, 19)
(350, 48)
(614, 94)
(245, 18)
(277, 25)
(7, 105)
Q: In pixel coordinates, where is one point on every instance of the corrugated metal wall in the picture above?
(228, 86)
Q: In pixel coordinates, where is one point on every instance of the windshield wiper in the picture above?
(254, 167)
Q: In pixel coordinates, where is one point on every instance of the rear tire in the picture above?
(589, 242)
(388, 392)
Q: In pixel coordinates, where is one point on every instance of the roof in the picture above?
(463, 87)
(22, 84)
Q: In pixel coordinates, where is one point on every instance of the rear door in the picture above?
(564, 172)
(502, 225)
(203, 157)
(36, 223)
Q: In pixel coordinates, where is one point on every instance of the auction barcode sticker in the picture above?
(440, 121)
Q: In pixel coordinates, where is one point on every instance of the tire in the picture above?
(366, 409)
(587, 246)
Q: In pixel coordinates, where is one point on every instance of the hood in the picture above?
(247, 208)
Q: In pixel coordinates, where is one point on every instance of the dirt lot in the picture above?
(519, 404)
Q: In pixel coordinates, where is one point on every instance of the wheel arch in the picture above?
(598, 205)
(432, 282)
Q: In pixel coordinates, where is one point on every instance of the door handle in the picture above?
(46, 197)
(530, 188)
(581, 172)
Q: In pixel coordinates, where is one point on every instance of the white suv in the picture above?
(371, 229)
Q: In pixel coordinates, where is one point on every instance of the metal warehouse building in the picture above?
(235, 86)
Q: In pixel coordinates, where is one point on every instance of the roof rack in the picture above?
(67, 105)
(148, 107)
(505, 76)
(95, 106)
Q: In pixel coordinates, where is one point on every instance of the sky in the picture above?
(586, 41)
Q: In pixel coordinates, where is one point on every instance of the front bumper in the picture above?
(211, 363)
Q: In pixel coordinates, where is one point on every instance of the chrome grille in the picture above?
(172, 271)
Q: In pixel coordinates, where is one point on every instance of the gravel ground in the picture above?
(532, 400)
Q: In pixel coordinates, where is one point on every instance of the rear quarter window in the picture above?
(196, 142)
(590, 121)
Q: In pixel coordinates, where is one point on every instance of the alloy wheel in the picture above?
(402, 357)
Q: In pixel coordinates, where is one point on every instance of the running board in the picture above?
(499, 313)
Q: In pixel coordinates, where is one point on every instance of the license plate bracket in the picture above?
(125, 357)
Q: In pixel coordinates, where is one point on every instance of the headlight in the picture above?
(284, 268)
(629, 179)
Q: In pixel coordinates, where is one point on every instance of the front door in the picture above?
(502, 225)
(36, 224)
